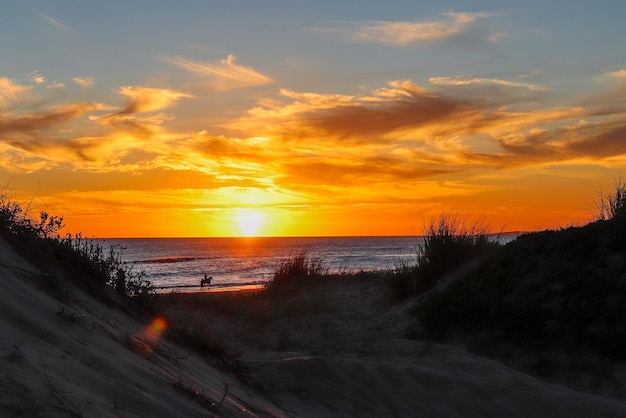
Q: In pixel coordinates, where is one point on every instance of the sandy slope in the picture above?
(74, 358)
(337, 350)
(422, 382)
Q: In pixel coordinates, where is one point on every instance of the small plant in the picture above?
(297, 269)
(612, 204)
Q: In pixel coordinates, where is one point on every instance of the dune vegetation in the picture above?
(74, 257)
(550, 303)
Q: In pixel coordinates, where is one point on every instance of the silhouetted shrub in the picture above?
(547, 288)
(612, 204)
(296, 271)
(449, 241)
(81, 260)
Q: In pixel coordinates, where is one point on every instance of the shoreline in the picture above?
(167, 290)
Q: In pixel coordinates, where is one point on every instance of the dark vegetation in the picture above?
(610, 205)
(450, 240)
(69, 257)
(550, 303)
(295, 272)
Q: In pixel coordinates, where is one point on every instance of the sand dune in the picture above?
(75, 357)
(64, 353)
(447, 384)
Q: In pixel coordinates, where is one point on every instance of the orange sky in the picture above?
(337, 128)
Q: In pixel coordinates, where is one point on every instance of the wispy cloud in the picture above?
(38, 121)
(451, 25)
(148, 99)
(225, 74)
(54, 22)
(55, 85)
(468, 81)
(141, 100)
(37, 78)
(530, 74)
(9, 90)
(85, 82)
(617, 74)
(24, 132)
(591, 143)
(78, 132)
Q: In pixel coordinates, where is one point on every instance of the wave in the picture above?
(223, 286)
(169, 260)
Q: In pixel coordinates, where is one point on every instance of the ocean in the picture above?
(180, 263)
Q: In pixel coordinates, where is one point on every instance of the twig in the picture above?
(226, 385)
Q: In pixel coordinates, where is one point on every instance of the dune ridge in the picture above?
(73, 356)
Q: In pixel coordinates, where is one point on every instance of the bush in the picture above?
(545, 289)
(297, 270)
(449, 241)
(613, 204)
(77, 258)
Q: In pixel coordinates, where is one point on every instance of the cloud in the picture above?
(307, 144)
(617, 74)
(55, 85)
(37, 78)
(137, 118)
(468, 81)
(451, 25)
(148, 99)
(586, 143)
(401, 105)
(219, 148)
(85, 82)
(10, 90)
(54, 22)
(223, 75)
(35, 122)
(531, 74)
(367, 120)
(57, 149)
(78, 132)
(356, 172)
(25, 132)
(405, 131)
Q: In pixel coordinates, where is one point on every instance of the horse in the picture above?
(206, 281)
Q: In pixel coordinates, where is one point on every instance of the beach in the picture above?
(179, 263)
(338, 348)
(341, 350)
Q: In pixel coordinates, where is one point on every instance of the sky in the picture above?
(300, 118)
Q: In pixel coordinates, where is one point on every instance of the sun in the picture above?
(249, 221)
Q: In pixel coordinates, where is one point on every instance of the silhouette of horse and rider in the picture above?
(206, 281)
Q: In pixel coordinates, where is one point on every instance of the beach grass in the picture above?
(449, 241)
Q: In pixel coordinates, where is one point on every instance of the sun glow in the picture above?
(249, 221)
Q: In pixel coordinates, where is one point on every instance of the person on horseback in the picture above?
(206, 281)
